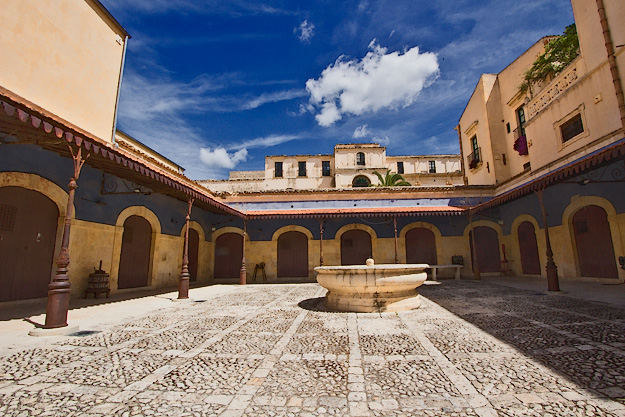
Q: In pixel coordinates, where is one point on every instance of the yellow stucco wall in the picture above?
(73, 70)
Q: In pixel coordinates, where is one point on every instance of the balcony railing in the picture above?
(475, 158)
(561, 83)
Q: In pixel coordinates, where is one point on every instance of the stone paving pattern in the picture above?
(472, 349)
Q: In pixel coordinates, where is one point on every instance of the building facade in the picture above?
(350, 166)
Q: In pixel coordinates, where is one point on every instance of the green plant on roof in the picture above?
(390, 180)
(559, 53)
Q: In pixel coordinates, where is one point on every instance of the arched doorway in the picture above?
(420, 246)
(487, 249)
(595, 250)
(292, 255)
(134, 262)
(193, 249)
(355, 247)
(530, 263)
(361, 181)
(28, 225)
(228, 255)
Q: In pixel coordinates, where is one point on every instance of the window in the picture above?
(301, 168)
(278, 170)
(474, 159)
(432, 167)
(572, 127)
(325, 168)
(400, 167)
(361, 181)
(360, 158)
(521, 119)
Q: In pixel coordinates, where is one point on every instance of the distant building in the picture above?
(350, 166)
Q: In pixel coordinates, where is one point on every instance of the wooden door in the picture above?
(134, 262)
(292, 255)
(355, 247)
(420, 246)
(228, 255)
(193, 250)
(530, 263)
(487, 249)
(28, 226)
(595, 250)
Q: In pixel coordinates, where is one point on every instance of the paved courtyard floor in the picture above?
(472, 349)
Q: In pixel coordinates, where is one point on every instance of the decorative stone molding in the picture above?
(554, 89)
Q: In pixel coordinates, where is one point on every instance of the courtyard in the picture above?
(472, 349)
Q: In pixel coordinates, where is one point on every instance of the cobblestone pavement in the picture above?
(472, 349)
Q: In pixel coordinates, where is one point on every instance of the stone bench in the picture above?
(434, 268)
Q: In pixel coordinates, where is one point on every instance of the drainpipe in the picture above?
(119, 87)
(609, 46)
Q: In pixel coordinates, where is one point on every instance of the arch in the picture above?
(438, 250)
(528, 248)
(420, 246)
(578, 203)
(291, 228)
(361, 181)
(136, 253)
(292, 255)
(140, 211)
(195, 226)
(42, 185)
(196, 235)
(593, 241)
(540, 239)
(486, 247)
(356, 247)
(355, 226)
(28, 226)
(228, 229)
(228, 255)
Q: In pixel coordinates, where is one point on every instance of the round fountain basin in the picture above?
(372, 288)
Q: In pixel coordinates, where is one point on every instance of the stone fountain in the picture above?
(372, 288)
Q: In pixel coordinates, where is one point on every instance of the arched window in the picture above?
(360, 158)
(361, 181)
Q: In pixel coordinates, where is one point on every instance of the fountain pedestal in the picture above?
(372, 288)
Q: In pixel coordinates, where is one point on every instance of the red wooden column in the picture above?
(58, 290)
(395, 229)
(321, 241)
(243, 271)
(553, 283)
(183, 282)
(476, 266)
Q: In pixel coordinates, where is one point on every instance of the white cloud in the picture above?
(271, 140)
(220, 158)
(380, 80)
(382, 140)
(305, 31)
(273, 98)
(361, 131)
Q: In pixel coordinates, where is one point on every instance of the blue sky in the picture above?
(217, 85)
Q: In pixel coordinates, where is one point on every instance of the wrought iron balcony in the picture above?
(475, 158)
